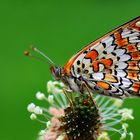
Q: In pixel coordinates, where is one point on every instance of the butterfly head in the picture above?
(56, 72)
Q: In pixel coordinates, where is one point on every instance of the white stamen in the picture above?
(58, 101)
(112, 123)
(31, 107)
(40, 96)
(38, 110)
(123, 136)
(52, 87)
(106, 103)
(51, 99)
(48, 124)
(41, 138)
(61, 84)
(124, 127)
(33, 116)
(131, 136)
(126, 114)
(42, 132)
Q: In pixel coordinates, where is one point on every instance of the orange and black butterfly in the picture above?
(109, 66)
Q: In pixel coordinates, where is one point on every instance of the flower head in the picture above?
(88, 119)
(84, 121)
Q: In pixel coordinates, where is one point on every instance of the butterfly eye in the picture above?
(56, 72)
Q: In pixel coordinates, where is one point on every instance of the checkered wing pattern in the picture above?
(111, 64)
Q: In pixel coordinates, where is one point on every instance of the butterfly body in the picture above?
(110, 65)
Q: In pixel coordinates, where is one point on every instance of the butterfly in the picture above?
(109, 66)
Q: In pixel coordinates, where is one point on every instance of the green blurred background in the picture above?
(59, 28)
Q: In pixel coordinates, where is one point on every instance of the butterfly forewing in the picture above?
(111, 64)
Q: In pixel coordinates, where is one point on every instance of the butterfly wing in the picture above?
(111, 64)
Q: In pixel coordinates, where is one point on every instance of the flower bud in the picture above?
(38, 110)
(31, 107)
(51, 99)
(40, 96)
(33, 116)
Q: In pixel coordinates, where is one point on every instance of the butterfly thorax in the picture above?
(71, 81)
(74, 82)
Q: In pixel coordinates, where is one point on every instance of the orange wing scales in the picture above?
(92, 55)
(110, 65)
(135, 87)
(133, 65)
(106, 63)
(103, 85)
(119, 41)
(135, 55)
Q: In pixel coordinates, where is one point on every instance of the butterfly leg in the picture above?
(70, 101)
(84, 86)
(71, 93)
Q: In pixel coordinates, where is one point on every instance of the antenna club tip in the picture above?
(26, 53)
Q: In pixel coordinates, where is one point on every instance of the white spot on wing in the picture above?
(110, 49)
(134, 41)
(130, 35)
(125, 57)
(87, 63)
(98, 76)
(107, 40)
(133, 38)
(126, 83)
(101, 67)
(125, 33)
(99, 47)
(121, 65)
(95, 46)
(80, 58)
(119, 52)
(121, 73)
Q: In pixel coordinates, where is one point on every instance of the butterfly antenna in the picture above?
(42, 54)
(27, 53)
